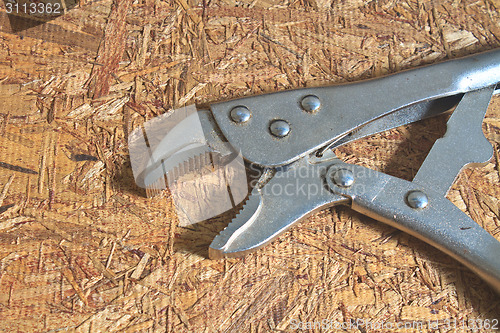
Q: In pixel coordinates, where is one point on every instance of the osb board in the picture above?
(82, 249)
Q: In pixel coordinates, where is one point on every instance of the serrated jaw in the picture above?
(227, 243)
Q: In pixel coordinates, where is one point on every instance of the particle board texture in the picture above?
(82, 249)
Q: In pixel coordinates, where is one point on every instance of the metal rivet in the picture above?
(310, 103)
(240, 114)
(343, 178)
(279, 128)
(417, 199)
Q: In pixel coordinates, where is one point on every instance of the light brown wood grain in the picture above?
(83, 249)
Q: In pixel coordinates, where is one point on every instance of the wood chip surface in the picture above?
(82, 249)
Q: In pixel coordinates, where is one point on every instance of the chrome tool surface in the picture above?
(290, 135)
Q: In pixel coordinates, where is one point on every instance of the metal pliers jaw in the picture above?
(286, 132)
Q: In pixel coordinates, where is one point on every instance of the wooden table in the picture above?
(83, 249)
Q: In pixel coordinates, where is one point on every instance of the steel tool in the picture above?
(290, 136)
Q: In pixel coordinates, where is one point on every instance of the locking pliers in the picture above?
(290, 136)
